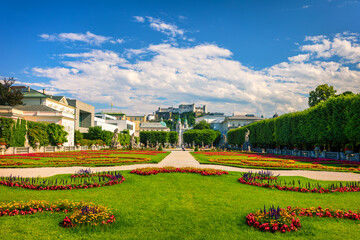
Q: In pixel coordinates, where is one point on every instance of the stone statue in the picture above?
(114, 142)
(247, 134)
(225, 139)
(133, 141)
(247, 145)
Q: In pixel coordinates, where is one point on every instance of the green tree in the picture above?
(321, 93)
(173, 137)
(202, 125)
(57, 134)
(78, 136)
(8, 95)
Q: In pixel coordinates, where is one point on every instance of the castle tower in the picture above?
(186, 125)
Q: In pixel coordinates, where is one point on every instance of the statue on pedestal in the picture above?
(133, 141)
(114, 142)
(247, 145)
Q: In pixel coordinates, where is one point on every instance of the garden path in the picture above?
(177, 159)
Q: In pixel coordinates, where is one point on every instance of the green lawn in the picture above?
(82, 158)
(180, 206)
(261, 161)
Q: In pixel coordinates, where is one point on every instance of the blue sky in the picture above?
(246, 56)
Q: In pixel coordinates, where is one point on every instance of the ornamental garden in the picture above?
(163, 203)
(153, 202)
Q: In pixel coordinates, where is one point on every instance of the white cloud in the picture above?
(342, 45)
(171, 30)
(166, 28)
(205, 74)
(139, 19)
(299, 58)
(306, 6)
(88, 37)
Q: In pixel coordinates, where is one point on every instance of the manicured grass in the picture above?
(180, 206)
(82, 158)
(265, 161)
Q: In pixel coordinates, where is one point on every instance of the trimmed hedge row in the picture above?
(206, 136)
(14, 132)
(332, 124)
(161, 137)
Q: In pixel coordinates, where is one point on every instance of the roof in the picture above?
(40, 108)
(245, 117)
(152, 125)
(32, 93)
(57, 98)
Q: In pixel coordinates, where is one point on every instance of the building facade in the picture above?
(64, 113)
(110, 123)
(154, 126)
(137, 119)
(84, 115)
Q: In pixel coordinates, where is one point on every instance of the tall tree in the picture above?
(202, 125)
(321, 93)
(8, 95)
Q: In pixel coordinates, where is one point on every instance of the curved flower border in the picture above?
(112, 177)
(83, 213)
(102, 157)
(286, 220)
(154, 171)
(255, 179)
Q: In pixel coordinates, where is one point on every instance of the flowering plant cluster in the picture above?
(258, 179)
(104, 157)
(154, 171)
(279, 162)
(77, 181)
(83, 213)
(286, 220)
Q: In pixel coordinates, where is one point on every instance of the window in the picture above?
(129, 126)
(135, 119)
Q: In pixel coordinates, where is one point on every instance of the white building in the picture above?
(110, 123)
(154, 126)
(64, 114)
(239, 121)
(223, 123)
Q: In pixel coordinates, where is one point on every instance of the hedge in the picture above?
(206, 136)
(332, 124)
(14, 132)
(160, 137)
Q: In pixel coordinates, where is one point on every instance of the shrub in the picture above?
(333, 123)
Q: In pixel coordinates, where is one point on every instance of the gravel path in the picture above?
(177, 159)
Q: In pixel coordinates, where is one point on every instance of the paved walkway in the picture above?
(177, 159)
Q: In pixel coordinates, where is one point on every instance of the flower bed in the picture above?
(77, 181)
(83, 213)
(286, 220)
(280, 162)
(102, 158)
(154, 171)
(267, 180)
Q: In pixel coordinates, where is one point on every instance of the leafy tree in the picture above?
(78, 136)
(37, 131)
(206, 136)
(57, 134)
(173, 137)
(8, 95)
(93, 133)
(96, 133)
(202, 125)
(321, 93)
(346, 93)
